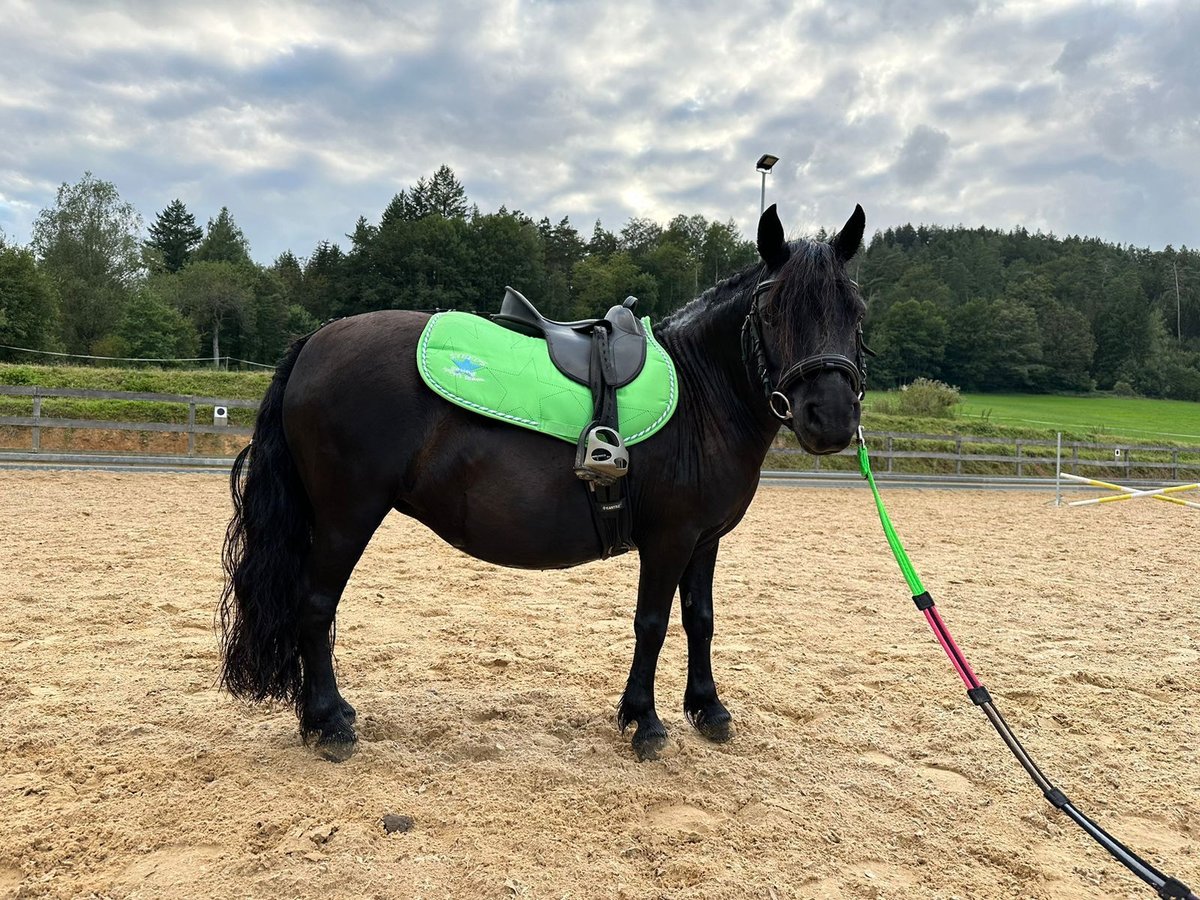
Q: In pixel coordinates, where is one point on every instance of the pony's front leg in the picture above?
(700, 702)
(661, 568)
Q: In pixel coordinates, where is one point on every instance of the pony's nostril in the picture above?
(811, 413)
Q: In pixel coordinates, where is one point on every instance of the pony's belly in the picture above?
(521, 544)
(512, 517)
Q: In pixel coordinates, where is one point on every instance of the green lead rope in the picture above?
(1167, 887)
(906, 566)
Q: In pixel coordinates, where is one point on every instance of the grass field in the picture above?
(1149, 420)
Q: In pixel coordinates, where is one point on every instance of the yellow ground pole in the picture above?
(1126, 493)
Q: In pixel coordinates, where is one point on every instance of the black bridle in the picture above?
(755, 357)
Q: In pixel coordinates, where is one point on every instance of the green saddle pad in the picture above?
(484, 367)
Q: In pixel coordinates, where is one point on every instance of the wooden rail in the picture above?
(888, 449)
(969, 451)
(36, 422)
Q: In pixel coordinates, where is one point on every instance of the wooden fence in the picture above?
(891, 452)
(37, 422)
(1020, 457)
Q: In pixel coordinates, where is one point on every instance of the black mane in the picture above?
(807, 299)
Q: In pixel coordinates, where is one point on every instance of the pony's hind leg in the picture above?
(326, 719)
(700, 702)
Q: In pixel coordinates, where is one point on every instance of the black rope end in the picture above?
(1057, 798)
(1174, 889)
(979, 695)
(923, 601)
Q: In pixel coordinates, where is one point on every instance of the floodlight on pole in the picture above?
(764, 165)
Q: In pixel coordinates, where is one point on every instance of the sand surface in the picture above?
(486, 703)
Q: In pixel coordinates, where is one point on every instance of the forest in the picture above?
(980, 308)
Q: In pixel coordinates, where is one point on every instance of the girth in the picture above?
(604, 354)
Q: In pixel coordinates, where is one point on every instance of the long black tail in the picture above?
(265, 546)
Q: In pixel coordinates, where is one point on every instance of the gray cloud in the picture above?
(924, 150)
(300, 117)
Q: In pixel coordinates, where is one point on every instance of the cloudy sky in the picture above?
(1062, 115)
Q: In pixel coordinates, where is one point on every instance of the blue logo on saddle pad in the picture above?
(466, 367)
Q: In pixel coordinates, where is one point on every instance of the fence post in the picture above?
(1075, 458)
(1019, 469)
(1174, 465)
(191, 432)
(889, 452)
(958, 454)
(37, 429)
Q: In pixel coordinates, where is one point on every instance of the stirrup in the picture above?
(601, 456)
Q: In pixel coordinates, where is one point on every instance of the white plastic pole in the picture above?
(1058, 472)
(1127, 493)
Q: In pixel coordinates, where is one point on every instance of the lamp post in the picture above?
(765, 163)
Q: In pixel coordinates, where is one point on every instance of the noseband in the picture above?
(755, 357)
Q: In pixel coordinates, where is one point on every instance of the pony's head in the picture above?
(806, 319)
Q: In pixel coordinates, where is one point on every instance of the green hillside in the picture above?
(1148, 420)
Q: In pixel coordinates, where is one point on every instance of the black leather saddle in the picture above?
(570, 343)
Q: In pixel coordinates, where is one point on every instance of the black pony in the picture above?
(348, 431)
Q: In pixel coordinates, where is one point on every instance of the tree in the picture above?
(421, 264)
(212, 294)
(223, 241)
(358, 276)
(723, 251)
(443, 195)
(1124, 328)
(89, 244)
(505, 250)
(28, 306)
(151, 328)
(639, 238)
(562, 249)
(291, 275)
(993, 345)
(910, 339)
(600, 283)
(322, 295)
(174, 234)
(603, 243)
(447, 197)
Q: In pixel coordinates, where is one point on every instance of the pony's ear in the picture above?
(845, 244)
(771, 245)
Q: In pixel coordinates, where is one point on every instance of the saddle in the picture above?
(570, 343)
(603, 354)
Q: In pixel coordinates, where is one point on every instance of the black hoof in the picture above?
(335, 741)
(717, 732)
(337, 750)
(713, 722)
(649, 741)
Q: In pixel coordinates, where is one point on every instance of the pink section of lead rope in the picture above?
(942, 633)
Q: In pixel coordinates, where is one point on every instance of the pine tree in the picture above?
(223, 241)
(447, 196)
(175, 234)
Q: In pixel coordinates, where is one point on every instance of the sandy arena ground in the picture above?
(486, 701)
